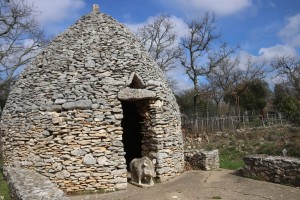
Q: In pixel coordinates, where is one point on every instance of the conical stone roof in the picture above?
(64, 114)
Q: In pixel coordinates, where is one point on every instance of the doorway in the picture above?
(132, 126)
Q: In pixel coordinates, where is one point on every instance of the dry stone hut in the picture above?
(88, 104)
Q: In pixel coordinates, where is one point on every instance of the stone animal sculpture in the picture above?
(142, 170)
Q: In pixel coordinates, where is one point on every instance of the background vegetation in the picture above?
(4, 191)
(233, 146)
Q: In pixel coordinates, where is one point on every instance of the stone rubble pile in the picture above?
(63, 117)
(202, 159)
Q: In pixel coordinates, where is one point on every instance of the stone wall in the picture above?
(63, 117)
(25, 184)
(277, 169)
(201, 159)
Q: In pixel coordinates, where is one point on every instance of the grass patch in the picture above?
(228, 162)
(4, 191)
(216, 197)
(231, 158)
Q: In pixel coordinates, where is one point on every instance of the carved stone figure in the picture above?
(142, 172)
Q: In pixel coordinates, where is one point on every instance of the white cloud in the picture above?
(290, 35)
(223, 8)
(291, 32)
(56, 10)
(181, 27)
(134, 27)
(266, 55)
(276, 50)
(243, 59)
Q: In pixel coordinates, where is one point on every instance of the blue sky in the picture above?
(262, 28)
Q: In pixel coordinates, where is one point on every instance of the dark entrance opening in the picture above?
(132, 138)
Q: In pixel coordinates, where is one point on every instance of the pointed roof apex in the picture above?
(95, 8)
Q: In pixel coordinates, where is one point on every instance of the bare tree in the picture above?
(200, 59)
(20, 38)
(230, 79)
(288, 67)
(244, 77)
(223, 79)
(159, 38)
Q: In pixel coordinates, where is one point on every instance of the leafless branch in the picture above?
(20, 38)
(159, 37)
(288, 67)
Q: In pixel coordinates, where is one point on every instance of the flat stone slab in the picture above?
(26, 184)
(203, 185)
(135, 94)
(81, 105)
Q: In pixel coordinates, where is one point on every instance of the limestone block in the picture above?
(90, 63)
(40, 187)
(62, 174)
(81, 174)
(57, 96)
(81, 105)
(56, 120)
(46, 133)
(118, 172)
(57, 167)
(60, 101)
(121, 186)
(135, 94)
(89, 159)
(117, 143)
(163, 170)
(102, 160)
(154, 83)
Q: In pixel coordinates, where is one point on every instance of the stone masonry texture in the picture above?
(202, 159)
(63, 118)
(277, 169)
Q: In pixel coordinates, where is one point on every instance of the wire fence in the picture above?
(195, 123)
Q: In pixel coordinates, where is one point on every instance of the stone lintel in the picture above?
(128, 94)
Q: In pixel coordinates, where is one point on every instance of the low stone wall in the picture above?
(277, 169)
(205, 160)
(25, 184)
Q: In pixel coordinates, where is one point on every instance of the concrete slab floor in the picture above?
(200, 185)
